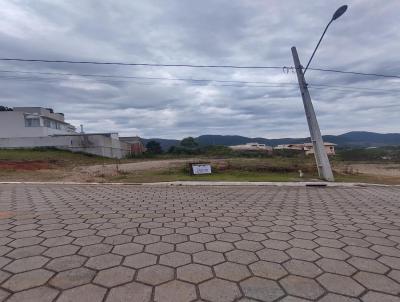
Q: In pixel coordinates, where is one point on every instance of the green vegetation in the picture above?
(47, 164)
(52, 156)
(371, 154)
(153, 147)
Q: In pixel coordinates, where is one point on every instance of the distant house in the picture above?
(252, 147)
(307, 148)
(137, 146)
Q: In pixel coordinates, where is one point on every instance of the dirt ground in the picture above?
(43, 171)
(391, 169)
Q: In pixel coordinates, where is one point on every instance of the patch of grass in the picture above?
(55, 157)
(228, 175)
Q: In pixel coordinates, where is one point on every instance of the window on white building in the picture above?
(32, 122)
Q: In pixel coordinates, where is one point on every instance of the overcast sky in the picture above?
(222, 32)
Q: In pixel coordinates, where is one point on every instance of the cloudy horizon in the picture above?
(219, 32)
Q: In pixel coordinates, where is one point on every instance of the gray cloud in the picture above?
(203, 32)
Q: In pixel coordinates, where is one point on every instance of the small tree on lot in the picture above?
(154, 147)
(189, 142)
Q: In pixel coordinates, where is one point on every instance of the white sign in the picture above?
(201, 169)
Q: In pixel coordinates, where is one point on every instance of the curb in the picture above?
(207, 183)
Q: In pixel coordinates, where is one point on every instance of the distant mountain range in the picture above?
(349, 139)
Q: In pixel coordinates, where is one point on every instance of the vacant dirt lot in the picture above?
(381, 169)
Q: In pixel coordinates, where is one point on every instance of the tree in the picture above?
(5, 108)
(189, 142)
(153, 147)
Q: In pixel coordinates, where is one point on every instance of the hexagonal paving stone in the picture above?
(231, 271)
(332, 253)
(114, 276)
(175, 238)
(187, 231)
(103, 261)
(302, 287)
(218, 290)
(219, 246)
(340, 284)
(211, 230)
(132, 292)
(56, 241)
(127, 249)
(368, 265)
(202, 238)
(261, 289)
(175, 259)
(392, 262)
(155, 274)
(66, 263)
(25, 242)
(175, 291)
(26, 264)
(189, 247)
(268, 270)
(27, 280)
(254, 236)
(118, 239)
(194, 273)
(276, 244)
(146, 239)
(361, 252)
(303, 243)
(72, 278)
(85, 293)
(60, 251)
(159, 248)
(336, 266)
(37, 294)
(302, 254)
(28, 251)
(228, 237)
(248, 245)
(378, 282)
(302, 268)
(88, 240)
(272, 255)
(140, 260)
(208, 257)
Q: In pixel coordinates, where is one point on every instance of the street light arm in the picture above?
(319, 42)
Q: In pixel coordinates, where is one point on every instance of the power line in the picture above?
(142, 77)
(45, 79)
(357, 73)
(197, 82)
(141, 64)
(188, 80)
(196, 66)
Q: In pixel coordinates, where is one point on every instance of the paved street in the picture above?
(186, 243)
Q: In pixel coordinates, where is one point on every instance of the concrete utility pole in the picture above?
(324, 167)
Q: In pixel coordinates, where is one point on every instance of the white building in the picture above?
(31, 127)
(252, 147)
(307, 148)
(33, 122)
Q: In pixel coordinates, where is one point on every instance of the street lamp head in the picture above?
(340, 11)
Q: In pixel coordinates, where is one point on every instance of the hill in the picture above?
(349, 139)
